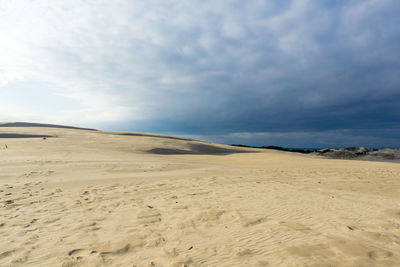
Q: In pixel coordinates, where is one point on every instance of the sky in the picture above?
(294, 73)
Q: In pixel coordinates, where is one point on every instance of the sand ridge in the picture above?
(93, 198)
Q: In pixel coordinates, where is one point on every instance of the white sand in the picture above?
(91, 198)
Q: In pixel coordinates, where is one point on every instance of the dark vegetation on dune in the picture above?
(29, 124)
(298, 150)
(383, 154)
(363, 153)
(13, 135)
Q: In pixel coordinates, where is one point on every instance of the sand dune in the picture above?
(93, 198)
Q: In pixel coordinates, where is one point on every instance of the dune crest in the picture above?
(30, 124)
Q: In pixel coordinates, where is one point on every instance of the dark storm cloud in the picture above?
(313, 67)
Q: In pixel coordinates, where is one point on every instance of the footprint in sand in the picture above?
(149, 216)
(9, 202)
(116, 250)
(310, 251)
(78, 256)
(247, 222)
(295, 226)
(6, 254)
(395, 214)
(122, 250)
(243, 252)
(211, 215)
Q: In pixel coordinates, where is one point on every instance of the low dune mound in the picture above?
(386, 154)
(365, 153)
(29, 124)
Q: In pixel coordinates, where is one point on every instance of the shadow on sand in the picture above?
(13, 135)
(198, 149)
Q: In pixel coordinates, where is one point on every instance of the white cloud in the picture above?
(233, 30)
(7, 77)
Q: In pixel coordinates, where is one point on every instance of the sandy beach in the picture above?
(94, 198)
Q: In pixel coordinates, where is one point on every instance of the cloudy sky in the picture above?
(299, 73)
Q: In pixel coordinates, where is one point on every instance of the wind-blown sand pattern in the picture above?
(93, 198)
